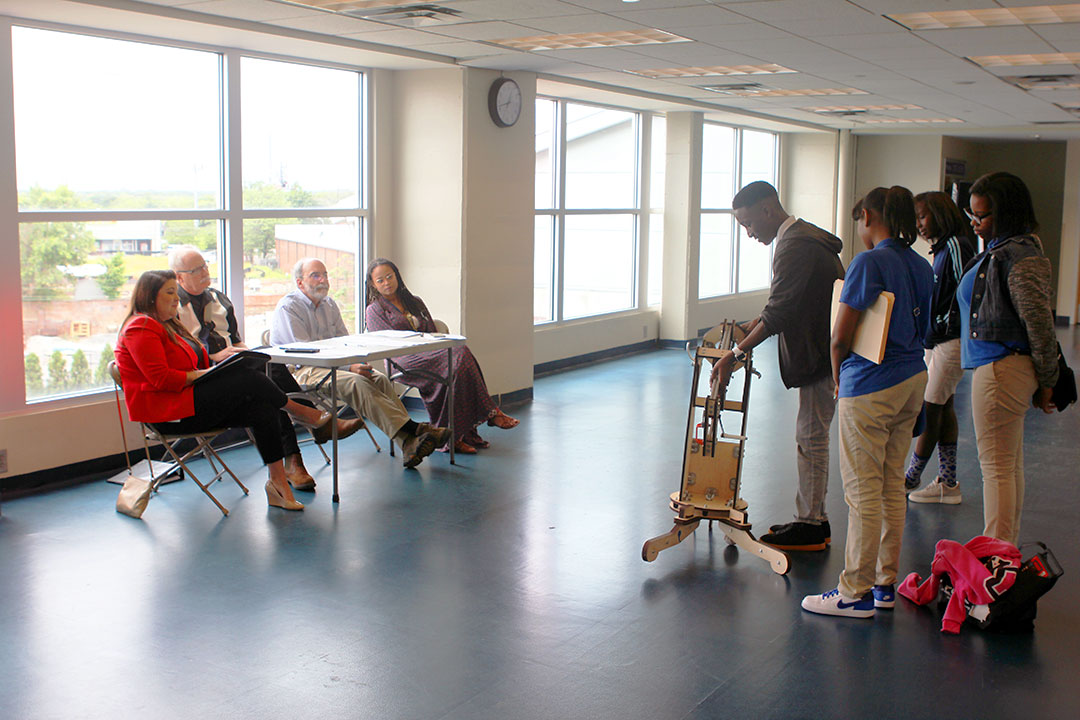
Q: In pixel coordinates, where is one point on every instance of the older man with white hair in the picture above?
(309, 313)
(209, 315)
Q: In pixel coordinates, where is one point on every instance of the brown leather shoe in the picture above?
(325, 432)
(416, 448)
(442, 435)
(300, 479)
(322, 432)
(346, 428)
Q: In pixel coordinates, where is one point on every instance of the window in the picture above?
(729, 261)
(138, 166)
(157, 149)
(588, 210)
(287, 167)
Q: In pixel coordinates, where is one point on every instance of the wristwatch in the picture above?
(740, 356)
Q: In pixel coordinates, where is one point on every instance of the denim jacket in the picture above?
(1010, 301)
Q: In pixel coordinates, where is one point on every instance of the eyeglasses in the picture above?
(979, 218)
(317, 275)
(201, 269)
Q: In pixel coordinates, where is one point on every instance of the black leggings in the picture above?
(238, 398)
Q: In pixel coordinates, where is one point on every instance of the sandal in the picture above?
(464, 448)
(476, 441)
(502, 420)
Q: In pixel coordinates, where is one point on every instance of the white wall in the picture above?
(460, 208)
(913, 161)
(1068, 299)
(497, 227)
(808, 177)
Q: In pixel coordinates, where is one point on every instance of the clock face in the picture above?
(504, 102)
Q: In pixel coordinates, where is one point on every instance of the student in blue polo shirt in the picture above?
(878, 404)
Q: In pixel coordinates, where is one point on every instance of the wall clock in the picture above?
(504, 102)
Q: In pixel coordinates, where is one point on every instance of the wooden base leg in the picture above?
(680, 532)
(777, 559)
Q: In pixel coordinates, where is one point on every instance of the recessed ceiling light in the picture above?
(575, 41)
(859, 108)
(1066, 58)
(990, 17)
(685, 72)
(767, 92)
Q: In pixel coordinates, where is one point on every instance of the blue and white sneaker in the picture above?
(833, 603)
(884, 596)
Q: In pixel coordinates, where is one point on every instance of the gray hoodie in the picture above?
(806, 263)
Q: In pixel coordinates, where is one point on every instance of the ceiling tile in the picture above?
(1063, 38)
(593, 22)
(516, 9)
(987, 41)
(722, 34)
(403, 37)
(258, 10)
(493, 30)
(330, 24)
(689, 16)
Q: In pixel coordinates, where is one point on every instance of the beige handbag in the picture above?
(136, 491)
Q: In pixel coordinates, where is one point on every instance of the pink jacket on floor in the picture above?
(972, 580)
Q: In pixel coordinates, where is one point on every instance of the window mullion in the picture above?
(560, 216)
(231, 251)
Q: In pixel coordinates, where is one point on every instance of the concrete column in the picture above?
(1068, 297)
(682, 225)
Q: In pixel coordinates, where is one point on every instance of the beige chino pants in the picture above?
(1000, 397)
(875, 434)
(374, 399)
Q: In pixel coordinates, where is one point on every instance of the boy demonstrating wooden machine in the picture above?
(712, 463)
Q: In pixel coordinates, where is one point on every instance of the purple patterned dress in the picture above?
(472, 403)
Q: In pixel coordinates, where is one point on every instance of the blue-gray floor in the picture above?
(511, 586)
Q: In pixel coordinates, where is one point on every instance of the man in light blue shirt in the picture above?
(308, 313)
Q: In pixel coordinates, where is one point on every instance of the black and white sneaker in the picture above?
(782, 528)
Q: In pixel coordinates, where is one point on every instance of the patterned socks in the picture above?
(946, 463)
(913, 476)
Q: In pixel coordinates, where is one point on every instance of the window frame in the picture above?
(737, 232)
(230, 217)
(638, 210)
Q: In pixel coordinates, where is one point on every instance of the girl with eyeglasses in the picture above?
(1007, 331)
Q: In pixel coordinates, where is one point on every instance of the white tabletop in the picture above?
(365, 348)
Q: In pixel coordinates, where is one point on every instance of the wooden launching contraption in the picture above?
(712, 459)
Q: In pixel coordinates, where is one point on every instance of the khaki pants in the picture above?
(374, 399)
(1000, 397)
(817, 405)
(875, 434)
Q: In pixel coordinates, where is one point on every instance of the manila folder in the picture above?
(873, 328)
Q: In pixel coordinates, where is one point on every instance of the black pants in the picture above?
(287, 383)
(239, 398)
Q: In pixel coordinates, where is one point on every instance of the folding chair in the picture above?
(400, 375)
(171, 443)
(311, 394)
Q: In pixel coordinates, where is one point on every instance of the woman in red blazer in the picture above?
(159, 360)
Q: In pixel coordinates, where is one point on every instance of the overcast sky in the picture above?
(101, 114)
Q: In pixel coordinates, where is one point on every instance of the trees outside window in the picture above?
(105, 191)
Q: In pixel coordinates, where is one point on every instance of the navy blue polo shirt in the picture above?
(897, 268)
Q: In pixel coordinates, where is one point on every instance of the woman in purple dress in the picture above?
(390, 306)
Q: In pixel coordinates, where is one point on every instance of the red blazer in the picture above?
(154, 370)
